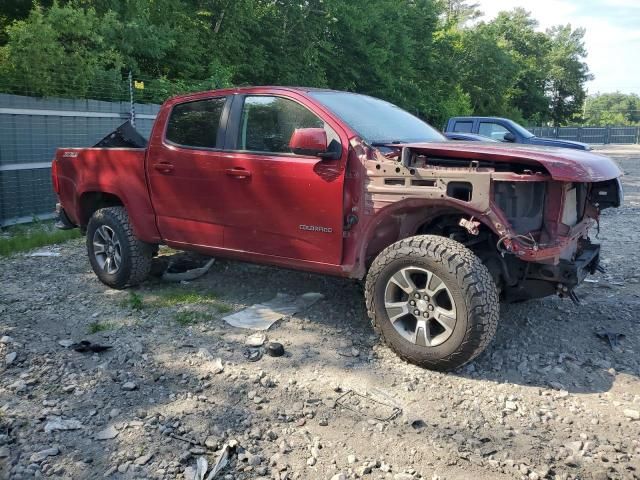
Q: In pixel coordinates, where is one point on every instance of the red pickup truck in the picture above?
(347, 185)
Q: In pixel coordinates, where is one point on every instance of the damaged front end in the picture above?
(526, 212)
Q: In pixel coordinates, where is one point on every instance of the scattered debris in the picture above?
(218, 366)
(86, 346)
(418, 424)
(57, 423)
(174, 272)
(221, 462)
(201, 468)
(183, 439)
(262, 315)
(252, 354)
(367, 406)
(65, 343)
(255, 340)
(275, 349)
(613, 338)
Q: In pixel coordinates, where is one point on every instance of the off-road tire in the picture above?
(136, 255)
(469, 282)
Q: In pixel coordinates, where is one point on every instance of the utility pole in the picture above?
(132, 105)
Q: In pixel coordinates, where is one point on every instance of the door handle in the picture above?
(238, 173)
(163, 167)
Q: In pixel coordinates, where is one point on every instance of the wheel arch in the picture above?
(91, 201)
(409, 218)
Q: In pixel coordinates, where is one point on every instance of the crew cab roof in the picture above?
(249, 90)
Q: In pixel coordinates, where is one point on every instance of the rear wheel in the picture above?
(117, 257)
(433, 301)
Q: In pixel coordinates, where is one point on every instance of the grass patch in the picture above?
(171, 298)
(190, 318)
(95, 327)
(134, 301)
(20, 238)
(176, 297)
(223, 307)
(207, 304)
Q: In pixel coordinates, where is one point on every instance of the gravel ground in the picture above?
(548, 399)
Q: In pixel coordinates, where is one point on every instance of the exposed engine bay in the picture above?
(531, 230)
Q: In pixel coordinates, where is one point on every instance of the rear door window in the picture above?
(463, 127)
(195, 124)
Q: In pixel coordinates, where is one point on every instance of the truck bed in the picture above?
(87, 176)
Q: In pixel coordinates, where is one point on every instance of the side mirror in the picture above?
(310, 141)
(509, 137)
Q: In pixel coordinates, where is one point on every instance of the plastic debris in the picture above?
(188, 275)
(613, 338)
(201, 468)
(256, 340)
(262, 316)
(275, 349)
(221, 462)
(86, 346)
(253, 354)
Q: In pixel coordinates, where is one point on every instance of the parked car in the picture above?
(348, 185)
(505, 130)
(468, 137)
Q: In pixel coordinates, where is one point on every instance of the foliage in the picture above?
(432, 57)
(612, 109)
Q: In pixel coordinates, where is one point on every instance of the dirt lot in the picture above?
(548, 399)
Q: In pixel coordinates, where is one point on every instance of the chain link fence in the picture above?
(37, 117)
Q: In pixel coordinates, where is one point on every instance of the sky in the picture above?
(612, 36)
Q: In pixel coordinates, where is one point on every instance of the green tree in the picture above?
(612, 109)
(62, 50)
(568, 73)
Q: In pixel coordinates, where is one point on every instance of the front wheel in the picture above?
(433, 301)
(117, 257)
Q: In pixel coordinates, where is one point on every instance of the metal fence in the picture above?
(32, 128)
(620, 135)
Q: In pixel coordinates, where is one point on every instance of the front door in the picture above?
(279, 203)
(183, 169)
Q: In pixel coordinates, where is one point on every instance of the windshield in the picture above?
(377, 121)
(521, 130)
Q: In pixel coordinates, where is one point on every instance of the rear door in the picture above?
(279, 203)
(463, 125)
(183, 169)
